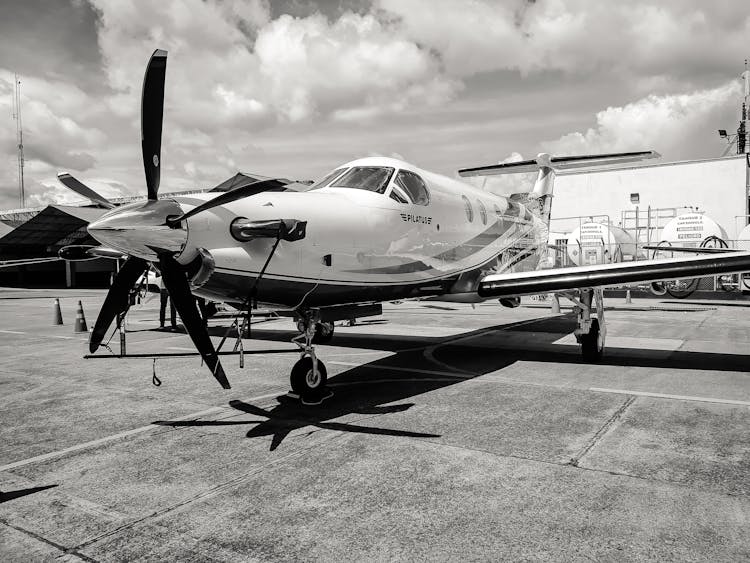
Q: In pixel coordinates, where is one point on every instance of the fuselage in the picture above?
(363, 245)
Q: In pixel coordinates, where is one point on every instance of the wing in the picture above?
(696, 250)
(27, 261)
(561, 279)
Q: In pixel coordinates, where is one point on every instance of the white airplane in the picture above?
(373, 230)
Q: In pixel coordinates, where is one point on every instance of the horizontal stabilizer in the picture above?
(604, 275)
(558, 163)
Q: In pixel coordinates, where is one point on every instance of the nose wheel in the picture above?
(309, 375)
(305, 380)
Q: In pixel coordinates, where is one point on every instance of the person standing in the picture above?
(163, 298)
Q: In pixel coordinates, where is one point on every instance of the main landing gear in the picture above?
(591, 331)
(309, 375)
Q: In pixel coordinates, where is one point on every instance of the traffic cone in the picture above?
(80, 320)
(628, 300)
(555, 304)
(56, 313)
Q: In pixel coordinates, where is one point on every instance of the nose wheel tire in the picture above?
(304, 381)
(592, 344)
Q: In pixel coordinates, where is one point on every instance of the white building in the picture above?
(643, 199)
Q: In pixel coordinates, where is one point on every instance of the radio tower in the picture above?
(742, 141)
(19, 136)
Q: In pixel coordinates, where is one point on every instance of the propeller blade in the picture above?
(82, 189)
(152, 111)
(270, 185)
(179, 291)
(116, 301)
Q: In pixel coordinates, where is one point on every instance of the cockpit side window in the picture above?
(414, 186)
(322, 183)
(371, 178)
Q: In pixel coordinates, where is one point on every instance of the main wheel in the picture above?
(592, 344)
(304, 381)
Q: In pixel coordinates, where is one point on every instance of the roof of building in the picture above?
(5, 229)
(51, 229)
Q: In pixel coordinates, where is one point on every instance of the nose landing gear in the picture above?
(309, 375)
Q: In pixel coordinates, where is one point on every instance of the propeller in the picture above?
(82, 189)
(130, 225)
(116, 301)
(269, 185)
(152, 111)
(179, 291)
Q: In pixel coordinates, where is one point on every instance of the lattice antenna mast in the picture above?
(743, 145)
(19, 136)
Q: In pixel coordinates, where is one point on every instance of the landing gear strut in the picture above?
(591, 331)
(309, 375)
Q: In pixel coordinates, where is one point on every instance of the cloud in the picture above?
(664, 123)
(446, 83)
(639, 38)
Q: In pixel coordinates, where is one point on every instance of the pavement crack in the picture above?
(605, 428)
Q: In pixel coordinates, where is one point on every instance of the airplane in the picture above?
(374, 229)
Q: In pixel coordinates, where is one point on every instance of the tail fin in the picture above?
(539, 200)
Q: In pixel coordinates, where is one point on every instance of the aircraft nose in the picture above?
(140, 229)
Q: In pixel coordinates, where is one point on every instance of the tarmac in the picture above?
(455, 433)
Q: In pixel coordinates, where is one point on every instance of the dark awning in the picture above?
(48, 231)
(237, 181)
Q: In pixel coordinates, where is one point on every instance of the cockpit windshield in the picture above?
(371, 178)
(328, 178)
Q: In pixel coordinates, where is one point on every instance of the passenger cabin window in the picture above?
(469, 209)
(370, 178)
(482, 212)
(414, 186)
(328, 178)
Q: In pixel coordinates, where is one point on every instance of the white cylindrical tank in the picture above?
(600, 243)
(743, 239)
(691, 230)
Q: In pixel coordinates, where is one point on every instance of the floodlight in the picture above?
(723, 133)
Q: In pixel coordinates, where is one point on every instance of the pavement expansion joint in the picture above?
(65, 550)
(605, 428)
(203, 495)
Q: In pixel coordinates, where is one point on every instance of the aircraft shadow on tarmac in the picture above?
(6, 496)
(370, 389)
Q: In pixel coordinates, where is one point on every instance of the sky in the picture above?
(293, 88)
